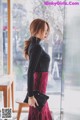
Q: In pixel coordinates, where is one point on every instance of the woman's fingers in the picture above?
(37, 103)
(34, 106)
(33, 102)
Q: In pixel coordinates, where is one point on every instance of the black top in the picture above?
(38, 61)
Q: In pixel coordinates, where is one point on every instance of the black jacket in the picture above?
(38, 61)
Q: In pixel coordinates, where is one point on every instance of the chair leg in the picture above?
(19, 111)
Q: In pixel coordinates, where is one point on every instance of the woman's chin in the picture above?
(45, 38)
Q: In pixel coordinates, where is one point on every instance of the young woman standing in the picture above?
(38, 67)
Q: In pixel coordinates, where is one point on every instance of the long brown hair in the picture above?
(35, 26)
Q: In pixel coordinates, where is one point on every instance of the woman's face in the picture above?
(43, 35)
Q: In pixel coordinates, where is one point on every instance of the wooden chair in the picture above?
(7, 87)
(21, 105)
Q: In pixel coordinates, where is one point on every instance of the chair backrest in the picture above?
(6, 79)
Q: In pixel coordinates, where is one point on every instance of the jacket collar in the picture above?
(35, 39)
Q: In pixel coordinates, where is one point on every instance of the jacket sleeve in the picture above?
(35, 54)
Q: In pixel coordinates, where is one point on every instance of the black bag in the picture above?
(40, 97)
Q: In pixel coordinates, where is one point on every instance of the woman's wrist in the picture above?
(31, 97)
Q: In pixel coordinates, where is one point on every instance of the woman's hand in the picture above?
(32, 101)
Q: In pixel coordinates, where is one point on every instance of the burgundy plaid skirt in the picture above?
(45, 113)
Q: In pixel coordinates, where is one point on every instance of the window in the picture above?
(22, 17)
(5, 34)
(1, 40)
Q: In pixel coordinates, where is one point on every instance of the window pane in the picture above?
(5, 34)
(1, 40)
(71, 70)
(22, 17)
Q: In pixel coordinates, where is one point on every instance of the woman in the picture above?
(38, 67)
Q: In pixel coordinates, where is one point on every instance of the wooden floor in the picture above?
(24, 116)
